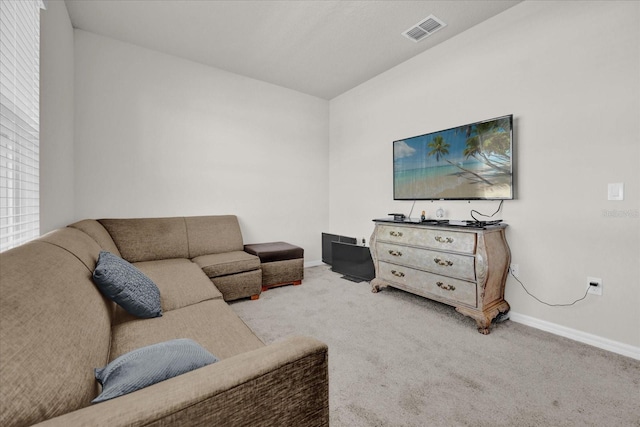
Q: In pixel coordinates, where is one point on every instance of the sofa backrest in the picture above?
(213, 234)
(100, 234)
(150, 239)
(55, 327)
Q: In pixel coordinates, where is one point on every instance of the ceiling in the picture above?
(322, 48)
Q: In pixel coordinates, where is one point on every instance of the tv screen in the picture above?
(327, 239)
(353, 261)
(468, 162)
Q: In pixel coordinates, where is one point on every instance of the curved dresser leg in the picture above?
(483, 318)
(377, 286)
(483, 325)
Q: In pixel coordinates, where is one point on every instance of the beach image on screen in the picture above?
(466, 162)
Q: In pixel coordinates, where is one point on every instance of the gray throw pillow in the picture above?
(149, 365)
(127, 286)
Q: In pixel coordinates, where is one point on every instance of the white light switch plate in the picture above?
(616, 191)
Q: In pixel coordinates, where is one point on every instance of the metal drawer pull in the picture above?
(443, 239)
(395, 253)
(397, 273)
(443, 262)
(396, 233)
(445, 287)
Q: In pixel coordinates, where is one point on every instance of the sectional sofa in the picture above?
(57, 327)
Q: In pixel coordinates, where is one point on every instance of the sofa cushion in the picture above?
(97, 232)
(210, 323)
(150, 365)
(213, 234)
(127, 286)
(55, 329)
(240, 285)
(180, 281)
(149, 239)
(215, 265)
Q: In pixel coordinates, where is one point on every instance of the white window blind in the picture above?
(19, 121)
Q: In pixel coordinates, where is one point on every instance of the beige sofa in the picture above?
(56, 327)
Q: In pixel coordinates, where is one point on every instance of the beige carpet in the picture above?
(396, 359)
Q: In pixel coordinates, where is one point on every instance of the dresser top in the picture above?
(478, 225)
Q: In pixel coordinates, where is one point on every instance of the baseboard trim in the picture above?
(583, 337)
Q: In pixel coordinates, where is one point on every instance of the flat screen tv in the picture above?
(353, 261)
(327, 239)
(468, 162)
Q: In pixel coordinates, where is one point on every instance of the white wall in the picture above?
(56, 117)
(160, 136)
(568, 71)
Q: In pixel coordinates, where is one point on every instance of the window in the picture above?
(19, 121)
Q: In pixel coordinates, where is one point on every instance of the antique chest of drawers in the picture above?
(465, 267)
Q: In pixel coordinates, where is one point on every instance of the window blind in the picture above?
(19, 121)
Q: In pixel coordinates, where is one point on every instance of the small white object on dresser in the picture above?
(465, 267)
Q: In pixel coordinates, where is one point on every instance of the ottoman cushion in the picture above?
(274, 251)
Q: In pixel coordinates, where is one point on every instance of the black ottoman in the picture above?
(281, 263)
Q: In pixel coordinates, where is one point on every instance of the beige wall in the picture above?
(56, 117)
(572, 85)
(156, 135)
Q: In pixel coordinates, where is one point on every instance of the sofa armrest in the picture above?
(284, 383)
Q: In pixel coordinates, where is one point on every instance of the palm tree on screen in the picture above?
(440, 148)
(489, 143)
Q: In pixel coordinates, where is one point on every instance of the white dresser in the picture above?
(465, 267)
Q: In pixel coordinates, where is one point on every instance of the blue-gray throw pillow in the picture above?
(149, 365)
(127, 286)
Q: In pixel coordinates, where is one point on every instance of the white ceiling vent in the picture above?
(424, 28)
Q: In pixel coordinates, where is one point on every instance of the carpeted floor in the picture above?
(396, 359)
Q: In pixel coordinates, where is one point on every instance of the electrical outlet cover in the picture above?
(616, 191)
(595, 290)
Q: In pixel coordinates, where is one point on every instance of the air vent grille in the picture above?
(424, 28)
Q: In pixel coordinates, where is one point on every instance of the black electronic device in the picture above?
(397, 216)
(462, 222)
(487, 223)
(353, 261)
(473, 223)
(435, 221)
(327, 238)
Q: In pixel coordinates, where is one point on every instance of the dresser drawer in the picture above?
(444, 239)
(423, 282)
(448, 264)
